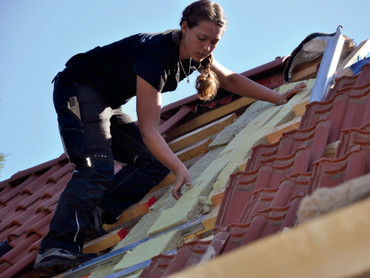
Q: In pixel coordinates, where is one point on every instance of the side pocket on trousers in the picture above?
(73, 143)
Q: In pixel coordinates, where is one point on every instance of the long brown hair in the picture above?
(207, 82)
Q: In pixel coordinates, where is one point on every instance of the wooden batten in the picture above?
(201, 133)
(209, 117)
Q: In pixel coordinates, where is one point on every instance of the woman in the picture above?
(88, 95)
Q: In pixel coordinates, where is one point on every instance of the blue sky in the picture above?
(37, 37)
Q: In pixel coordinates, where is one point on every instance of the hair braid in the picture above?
(207, 83)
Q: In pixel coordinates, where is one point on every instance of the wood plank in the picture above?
(168, 180)
(334, 245)
(194, 151)
(209, 117)
(134, 211)
(331, 150)
(208, 225)
(360, 51)
(105, 242)
(217, 196)
(202, 133)
(275, 134)
(308, 71)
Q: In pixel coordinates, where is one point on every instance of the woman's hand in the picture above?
(283, 98)
(182, 177)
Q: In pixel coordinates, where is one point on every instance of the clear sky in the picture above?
(37, 37)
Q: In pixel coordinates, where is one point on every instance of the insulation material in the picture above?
(145, 251)
(325, 200)
(215, 176)
(139, 231)
(311, 48)
(240, 148)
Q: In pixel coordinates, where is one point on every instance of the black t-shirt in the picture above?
(112, 69)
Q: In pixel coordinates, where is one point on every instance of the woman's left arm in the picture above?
(243, 86)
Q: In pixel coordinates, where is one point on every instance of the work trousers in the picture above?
(94, 135)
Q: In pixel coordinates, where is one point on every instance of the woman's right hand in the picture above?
(182, 177)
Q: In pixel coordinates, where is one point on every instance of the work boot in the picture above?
(55, 261)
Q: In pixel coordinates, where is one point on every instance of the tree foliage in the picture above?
(2, 159)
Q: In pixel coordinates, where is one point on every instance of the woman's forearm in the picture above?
(246, 87)
(160, 149)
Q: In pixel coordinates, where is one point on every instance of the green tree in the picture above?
(2, 159)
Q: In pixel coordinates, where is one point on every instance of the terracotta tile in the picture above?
(19, 251)
(36, 196)
(41, 227)
(351, 138)
(38, 170)
(261, 199)
(342, 83)
(290, 219)
(187, 255)
(5, 223)
(332, 110)
(11, 192)
(294, 186)
(21, 264)
(4, 266)
(261, 152)
(22, 217)
(332, 172)
(66, 170)
(314, 138)
(23, 228)
(40, 181)
(10, 230)
(35, 246)
(364, 76)
(285, 166)
(19, 258)
(263, 225)
(11, 206)
(217, 245)
(237, 233)
(157, 266)
(239, 192)
(357, 113)
(49, 204)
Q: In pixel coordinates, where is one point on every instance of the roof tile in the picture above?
(332, 172)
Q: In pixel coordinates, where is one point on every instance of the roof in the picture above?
(251, 164)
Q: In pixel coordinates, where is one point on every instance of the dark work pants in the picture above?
(93, 138)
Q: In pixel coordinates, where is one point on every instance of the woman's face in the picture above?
(199, 42)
